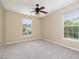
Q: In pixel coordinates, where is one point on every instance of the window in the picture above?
(71, 24)
(27, 26)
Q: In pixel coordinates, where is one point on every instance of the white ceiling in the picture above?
(25, 6)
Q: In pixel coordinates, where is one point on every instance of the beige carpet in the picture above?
(38, 49)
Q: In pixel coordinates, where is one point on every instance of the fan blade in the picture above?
(43, 12)
(32, 11)
(42, 8)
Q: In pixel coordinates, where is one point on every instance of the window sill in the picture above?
(27, 35)
(74, 40)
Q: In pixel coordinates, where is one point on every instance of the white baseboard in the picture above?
(21, 41)
(46, 40)
(62, 45)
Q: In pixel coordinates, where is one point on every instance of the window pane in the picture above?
(27, 27)
(75, 29)
(75, 35)
(65, 34)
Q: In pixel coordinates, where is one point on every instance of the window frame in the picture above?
(31, 27)
(72, 39)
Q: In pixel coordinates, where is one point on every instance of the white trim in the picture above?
(74, 40)
(62, 45)
(21, 41)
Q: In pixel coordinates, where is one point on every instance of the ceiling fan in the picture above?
(38, 9)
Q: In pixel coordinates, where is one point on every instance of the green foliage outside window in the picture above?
(71, 28)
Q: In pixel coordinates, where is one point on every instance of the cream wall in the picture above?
(1, 25)
(13, 28)
(53, 28)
